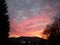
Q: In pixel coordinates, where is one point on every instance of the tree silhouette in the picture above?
(4, 23)
(54, 31)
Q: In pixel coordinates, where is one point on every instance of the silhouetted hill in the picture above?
(28, 41)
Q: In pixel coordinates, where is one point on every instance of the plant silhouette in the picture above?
(4, 23)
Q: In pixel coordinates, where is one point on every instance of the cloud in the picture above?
(31, 15)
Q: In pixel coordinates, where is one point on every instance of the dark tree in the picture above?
(4, 23)
(54, 38)
(54, 31)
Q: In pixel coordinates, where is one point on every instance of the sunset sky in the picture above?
(31, 17)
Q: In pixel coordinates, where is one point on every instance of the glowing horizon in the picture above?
(31, 17)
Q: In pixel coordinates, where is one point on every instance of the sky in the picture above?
(31, 17)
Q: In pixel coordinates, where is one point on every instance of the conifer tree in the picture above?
(4, 23)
